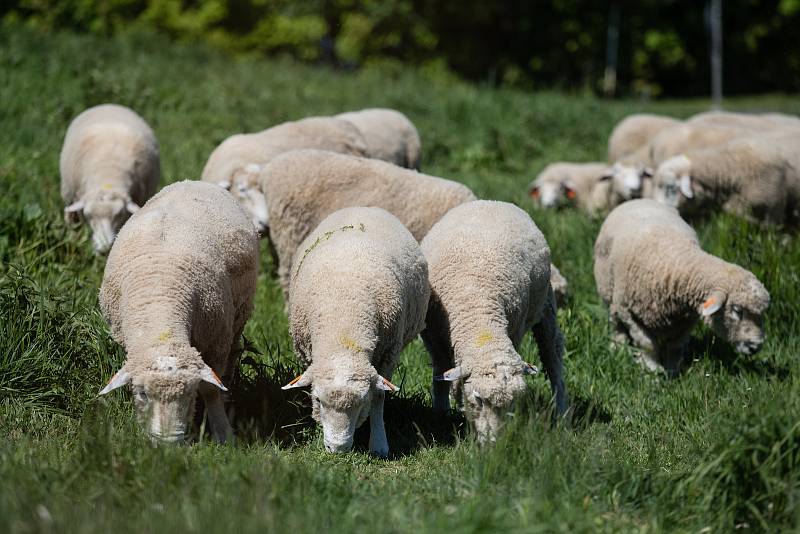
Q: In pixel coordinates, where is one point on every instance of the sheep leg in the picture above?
(437, 340)
(378, 444)
(551, 351)
(640, 338)
(217, 419)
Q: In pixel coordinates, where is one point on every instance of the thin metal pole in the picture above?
(715, 22)
(612, 51)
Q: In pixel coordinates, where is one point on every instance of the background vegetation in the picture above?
(663, 44)
(713, 450)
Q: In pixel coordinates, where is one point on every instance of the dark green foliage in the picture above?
(713, 449)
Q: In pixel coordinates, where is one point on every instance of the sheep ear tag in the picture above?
(120, 379)
(451, 375)
(529, 369)
(711, 305)
(385, 385)
(208, 375)
(686, 186)
(298, 382)
(534, 193)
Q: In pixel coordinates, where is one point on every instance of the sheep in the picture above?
(657, 282)
(764, 122)
(631, 175)
(489, 271)
(756, 177)
(359, 295)
(564, 183)
(305, 186)
(634, 131)
(109, 167)
(235, 164)
(177, 291)
(389, 135)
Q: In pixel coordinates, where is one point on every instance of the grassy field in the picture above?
(714, 450)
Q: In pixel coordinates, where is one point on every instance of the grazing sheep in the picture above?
(109, 167)
(764, 122)
(757, 177)
(657, 282)
(305, 186)
(581, 184)
(489, 270)
(235, 164)
(389, 135)
(634, 131)
(631, 175)
(359, 295)
(177, 291)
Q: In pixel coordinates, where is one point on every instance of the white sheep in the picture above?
(633, 132)
(657, 282)
(109, 167)
(581, 184)
(235, 164)
(305, 186)
(489, 270)
(389, 135)
(177, 291)
(757, 177)
(759, 122)
(359, 293)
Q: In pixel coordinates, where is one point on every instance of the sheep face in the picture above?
(627, 181)
(739, 316)
(245, 189)
(105, 212)
(552, 194)
(672, 182)
(164, 394)
(489, 400)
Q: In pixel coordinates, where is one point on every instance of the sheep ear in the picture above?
(385, 385)
(534, 192)
(686, 186)
(451, 375)
(299, 382)
(713, 303)
(607, 175)
(529, 369)
(120, 378)
(131, 206)
(647, 172)
(75, 207)
(224, 184)
(208, 375)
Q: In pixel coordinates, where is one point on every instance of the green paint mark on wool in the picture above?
(324, 237)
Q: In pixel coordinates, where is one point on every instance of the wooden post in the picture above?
(612, 51)
(715, 23)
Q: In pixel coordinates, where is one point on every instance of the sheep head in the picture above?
(673, 182)
(245, 188)
(342, 395)
(737, 315)
(105, 211)
(164, 391)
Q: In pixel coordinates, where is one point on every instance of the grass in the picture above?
(713, 450)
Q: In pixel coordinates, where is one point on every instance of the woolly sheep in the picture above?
(582, 184)
(109, 167)
(490, 283)
(657, 282)
(764, 122)
(177, 290)
(359, 295)
(757, 177)
(237, 161)
(634, 131)
(631, 176)
(305, 186)
(389, 135)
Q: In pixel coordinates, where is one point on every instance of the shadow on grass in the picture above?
(723, 354)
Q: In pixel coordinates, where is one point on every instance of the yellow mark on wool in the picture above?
(106, 186)
(483, 338)
(349, 343)
(166, 335)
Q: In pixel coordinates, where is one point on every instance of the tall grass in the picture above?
(713, 450)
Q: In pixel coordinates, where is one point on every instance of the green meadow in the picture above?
(714, 450)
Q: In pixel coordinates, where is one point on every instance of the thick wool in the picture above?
(109, 159)
(655, 279)
(757, 177)
(359, 293)
(236, 162)
(578, 184)
(489, 270)
(389, 135)
(178, 288)
(757, 122)
(305, 186)
(635, 131)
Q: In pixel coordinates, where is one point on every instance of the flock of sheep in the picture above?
(372, 253)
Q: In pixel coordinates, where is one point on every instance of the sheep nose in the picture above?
(339, 448)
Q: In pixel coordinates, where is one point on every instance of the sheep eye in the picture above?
(141, 396)
(736, 311)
